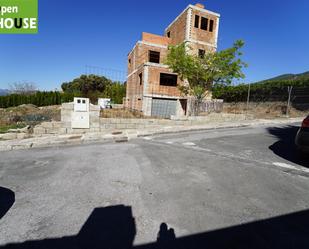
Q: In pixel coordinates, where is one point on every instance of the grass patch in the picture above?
(5, 128)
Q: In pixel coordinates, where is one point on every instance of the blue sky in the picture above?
(73, 34)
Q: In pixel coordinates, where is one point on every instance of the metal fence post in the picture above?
(248, 98)
(290, 88)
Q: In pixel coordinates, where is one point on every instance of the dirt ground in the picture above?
(265, 110)
(17, 117)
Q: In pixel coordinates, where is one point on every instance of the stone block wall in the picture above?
(65, 126)
(109, 124)
(67, 110)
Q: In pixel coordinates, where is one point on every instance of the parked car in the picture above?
(302, 137)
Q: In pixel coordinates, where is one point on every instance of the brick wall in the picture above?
(134, 90)
(140, 55)
(153, 85)
(194, 48)
(178, 29)
(156, 39)
(202, 35)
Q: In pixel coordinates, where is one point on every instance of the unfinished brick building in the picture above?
(151, 85)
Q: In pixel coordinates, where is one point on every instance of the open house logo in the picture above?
(18, 16)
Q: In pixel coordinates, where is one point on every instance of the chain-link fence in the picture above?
(261, 101)
(256, 100)
(267, 102)
(112, 74)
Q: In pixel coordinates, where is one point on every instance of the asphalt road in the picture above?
(227, 188)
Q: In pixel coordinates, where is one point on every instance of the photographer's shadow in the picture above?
(114, 228)
(110, 227)
(7, 199)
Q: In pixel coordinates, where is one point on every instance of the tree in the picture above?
(201, 73)
(94, 86)
(86, 84)
(25, 88)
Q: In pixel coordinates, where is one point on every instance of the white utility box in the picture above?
(80, 115)
(104, 103)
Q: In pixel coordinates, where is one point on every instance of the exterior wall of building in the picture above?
(134, 90)
(155, 39)
(205, 36)
(177, 29)
(140, 96)
(183, 29)
(131, 61)
(153, 86)
(140, 52)
(142, 55)
(153, 89)
(195, 46)
(147, 105)
(137, 60)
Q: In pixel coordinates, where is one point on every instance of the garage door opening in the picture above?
(163, 108)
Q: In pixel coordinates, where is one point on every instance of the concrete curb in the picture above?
(189, 130)
(205, 128)
(52, 141)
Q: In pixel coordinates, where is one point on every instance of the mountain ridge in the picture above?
(4, 92)
(288, 76)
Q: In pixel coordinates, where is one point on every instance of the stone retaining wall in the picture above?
(106, 124)
(67, 110)
(98, 124)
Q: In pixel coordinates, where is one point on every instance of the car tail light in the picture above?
(305, 123)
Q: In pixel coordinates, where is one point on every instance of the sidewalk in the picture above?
(125, 135)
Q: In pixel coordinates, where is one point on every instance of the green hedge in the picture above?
(115, 91)
(265, 91)
(38, 99)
